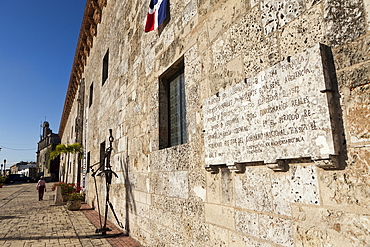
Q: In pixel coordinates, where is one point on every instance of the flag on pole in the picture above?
(156, 14)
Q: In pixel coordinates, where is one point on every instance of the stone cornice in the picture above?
(91, 19)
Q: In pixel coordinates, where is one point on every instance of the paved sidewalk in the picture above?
(25, 221)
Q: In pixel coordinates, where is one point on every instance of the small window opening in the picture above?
(91, 94)
(105, 67)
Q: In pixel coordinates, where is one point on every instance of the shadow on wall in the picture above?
(129, 197)
(336, 111)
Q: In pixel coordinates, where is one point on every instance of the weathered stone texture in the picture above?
(196, 232)
(302, 33)
(220, 215)
(165, 195)
(352, 53)
(276, 230)
(174, 184)
(345, 20)
(261, 55)
(162, 236)
(358, 130)
(239, 240)
(213, 188)
(358, 76)
(270, 228)
(246, 193)
(367, 9)
(197, 185)
(247, 223)
(276, 13)
(298, 185)
(351, 187)
(320, 227)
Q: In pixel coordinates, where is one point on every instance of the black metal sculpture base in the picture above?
(104, 234)
(103, 230)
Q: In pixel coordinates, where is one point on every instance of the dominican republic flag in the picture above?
(156, 14)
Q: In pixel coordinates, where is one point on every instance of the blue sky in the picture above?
(38, 40)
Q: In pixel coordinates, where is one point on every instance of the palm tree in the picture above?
(64, 149)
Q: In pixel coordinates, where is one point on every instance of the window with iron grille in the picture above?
(172, 107)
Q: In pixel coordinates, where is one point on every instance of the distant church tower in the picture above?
(45, 130)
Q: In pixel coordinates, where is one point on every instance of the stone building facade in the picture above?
(237, 123)
(48, 141)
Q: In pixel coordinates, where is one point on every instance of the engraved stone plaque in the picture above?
(280, 114)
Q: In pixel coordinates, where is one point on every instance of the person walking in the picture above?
(41, 187)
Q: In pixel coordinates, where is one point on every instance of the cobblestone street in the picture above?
(25, 221)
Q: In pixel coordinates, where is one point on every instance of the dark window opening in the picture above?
(172, 107)
(91, 94)
(105, 67)
(79, 166)
(102, 156)
(88, 162)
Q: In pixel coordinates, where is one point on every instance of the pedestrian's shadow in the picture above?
(7, 217)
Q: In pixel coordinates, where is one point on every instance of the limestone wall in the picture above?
(68, 162)
(166, 197)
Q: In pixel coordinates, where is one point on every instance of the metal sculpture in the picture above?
(105, 169)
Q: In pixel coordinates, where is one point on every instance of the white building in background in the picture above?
(26, 168)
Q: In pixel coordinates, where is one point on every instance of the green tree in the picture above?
(64, 149)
